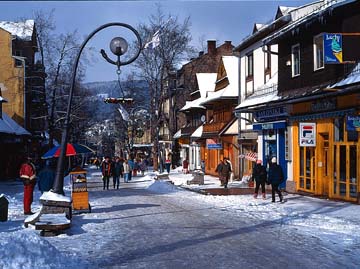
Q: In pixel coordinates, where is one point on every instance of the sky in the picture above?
(335, 225)
(210, 20)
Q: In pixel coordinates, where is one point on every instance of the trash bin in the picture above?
(4, 207)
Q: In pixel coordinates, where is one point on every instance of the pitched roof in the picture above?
(231, 65)
(9, 126)
(23, 30)
(206, 82)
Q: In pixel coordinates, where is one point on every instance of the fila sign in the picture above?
(307, 134)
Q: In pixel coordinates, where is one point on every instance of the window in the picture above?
(318, 52)
(295, 60)
(250, 65)
(267, 58)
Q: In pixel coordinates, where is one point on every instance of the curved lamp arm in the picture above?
(59, 176)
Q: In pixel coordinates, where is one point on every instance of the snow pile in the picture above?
(161, 186)
(29, 250)
(52, 196)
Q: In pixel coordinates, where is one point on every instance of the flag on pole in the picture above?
(154, 42)
(123, 112)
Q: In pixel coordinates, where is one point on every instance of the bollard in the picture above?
(4, 207)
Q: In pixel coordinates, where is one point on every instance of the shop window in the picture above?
(352, 136)
(295, 60)
(318, 52)
(302, 185)
(342, 170)
(335, 168)
(353, 171)
(339, 129)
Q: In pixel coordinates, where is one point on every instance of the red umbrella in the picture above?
(71, 150)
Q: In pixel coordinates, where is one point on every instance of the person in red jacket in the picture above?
(28, 176)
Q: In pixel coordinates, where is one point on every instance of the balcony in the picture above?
(214, 127)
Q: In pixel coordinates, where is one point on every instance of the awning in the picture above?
(9, 126)
(177, 134)
(233, 128)
(323, 115)
(198, 132)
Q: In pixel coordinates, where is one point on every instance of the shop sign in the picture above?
(323, 105)
(352, 123)
(270, 113)
(212, 144)
(333, 48)
(307, 134)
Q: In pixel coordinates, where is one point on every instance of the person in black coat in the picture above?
(259, 175)
(275, 178)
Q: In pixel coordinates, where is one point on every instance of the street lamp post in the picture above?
(118, 46)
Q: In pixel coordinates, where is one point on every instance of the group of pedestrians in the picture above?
(274, 177)
(120, 168)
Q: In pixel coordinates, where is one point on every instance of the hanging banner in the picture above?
(307, 134)
(333, 48)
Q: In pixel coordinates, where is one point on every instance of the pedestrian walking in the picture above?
(259, 175)
(131, 167)
(185, 166)
(117, 172)
(106, 172)
(126, 171)
(168, 164)
(218, 170)
(46, 177)
(202, 164)
(275, 178)
(226, 171)
(28, 176)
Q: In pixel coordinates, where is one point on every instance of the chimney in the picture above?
(211, 47)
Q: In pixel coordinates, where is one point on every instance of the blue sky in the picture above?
(216, 20)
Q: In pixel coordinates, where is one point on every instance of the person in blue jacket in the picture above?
(46, 178)
(275, 178)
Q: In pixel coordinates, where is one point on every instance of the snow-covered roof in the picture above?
(9, 126)
(23, 30)
(231, 64)
(262, 99)
(206, 83)
(304, 13)
(233, 129)
(353, 77)
(198, 132)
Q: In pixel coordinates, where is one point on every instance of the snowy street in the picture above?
(154, 224)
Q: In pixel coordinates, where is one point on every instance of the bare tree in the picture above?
(167, 51)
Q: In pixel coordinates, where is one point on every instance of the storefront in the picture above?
(272, 137)
(327, 148)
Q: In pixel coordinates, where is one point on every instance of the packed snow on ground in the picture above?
(22, 247)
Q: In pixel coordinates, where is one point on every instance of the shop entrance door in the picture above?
(345, 171)
(324, 170)
(307, 169)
